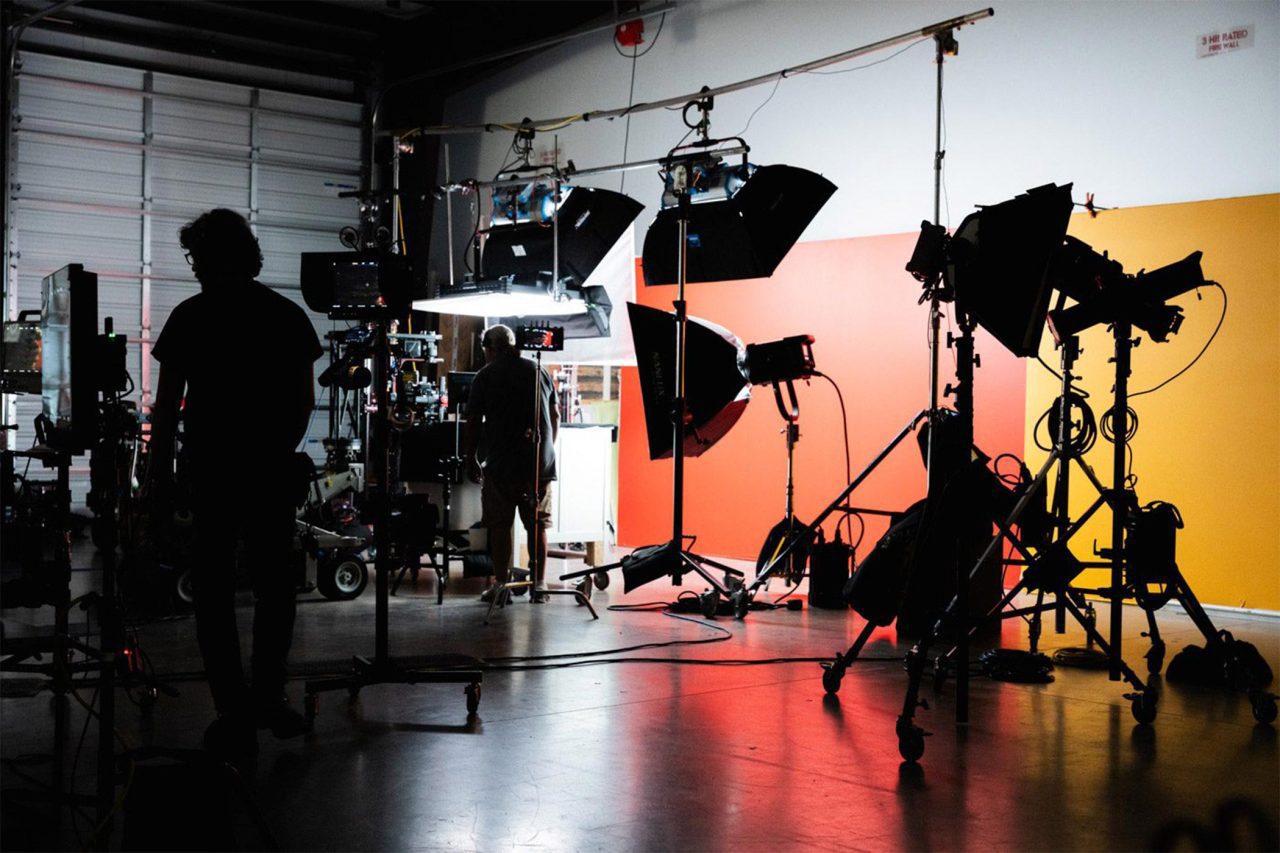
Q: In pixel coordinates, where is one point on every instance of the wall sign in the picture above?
(1231, 38)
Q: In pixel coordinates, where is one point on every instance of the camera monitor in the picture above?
(458, 389)
(355, 285)
(68, 376)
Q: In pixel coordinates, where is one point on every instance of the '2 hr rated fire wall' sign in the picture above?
(1232, 38)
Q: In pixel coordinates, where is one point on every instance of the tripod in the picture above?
(537, 533)
(382, 669)
(671, 558)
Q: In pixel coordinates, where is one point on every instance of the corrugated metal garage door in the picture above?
(111, 161)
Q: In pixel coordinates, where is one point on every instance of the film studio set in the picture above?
(660, 425)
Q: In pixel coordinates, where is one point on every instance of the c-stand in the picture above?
(1051, 568)
(382, 669)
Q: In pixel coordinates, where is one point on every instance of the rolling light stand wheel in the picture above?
(1144, 707)
(1155, 657)
(184, 588)
(833, 674)
(741, 601)
(342, 577)
(473, 698)
(709, 603)
(911, 743)
(601, 580)
(1264, 707)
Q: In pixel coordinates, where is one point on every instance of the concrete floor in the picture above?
(697, 751)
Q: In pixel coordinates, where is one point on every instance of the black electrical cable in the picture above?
(848, 456)
(1107, 427)
(1085, 433)
(1203, 349)
(631, 95)
(896, 53)
(1008, 479)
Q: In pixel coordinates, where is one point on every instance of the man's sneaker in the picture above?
(280, 717)
(488, 594)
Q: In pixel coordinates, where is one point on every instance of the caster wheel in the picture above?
(709, 603)
(832, 675)
(473, 698)
(310, 705)
(1264, 708)
(601, 579)
(1155, 659)
(342, 577)
(584, 587)
(741, 603)
(1144, 707)
(911, 744)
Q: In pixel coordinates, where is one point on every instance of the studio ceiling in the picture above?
(368, 42)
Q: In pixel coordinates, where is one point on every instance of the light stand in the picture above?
(935, 292)
(787, 528)
(671, 558)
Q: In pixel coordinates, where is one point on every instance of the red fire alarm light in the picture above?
(630, 34)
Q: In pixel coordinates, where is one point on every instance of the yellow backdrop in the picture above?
(1209, 442)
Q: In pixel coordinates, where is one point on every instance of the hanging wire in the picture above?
(1203, 349)
(631, 94)
(751, 117)
(896, 53)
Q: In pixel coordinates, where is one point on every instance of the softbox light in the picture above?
(715, 391)
(743, 236)
(1000, 260)
(518, 268)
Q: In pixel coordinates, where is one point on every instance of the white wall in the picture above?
(1109, 95)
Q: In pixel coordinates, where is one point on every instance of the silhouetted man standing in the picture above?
(501, 437)
(236, 360)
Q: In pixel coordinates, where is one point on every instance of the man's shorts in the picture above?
(499, 503)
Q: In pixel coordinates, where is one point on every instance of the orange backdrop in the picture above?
(871, 336)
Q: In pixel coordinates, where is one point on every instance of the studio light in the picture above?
(1105, 294)
(538, 254)
(743, 219)
(778, 361)
(999, 262)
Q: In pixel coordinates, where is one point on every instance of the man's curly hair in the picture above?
(221, 245)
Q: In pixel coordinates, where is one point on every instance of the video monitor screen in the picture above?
(356, 283)
(22, 358)
(55, 317)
